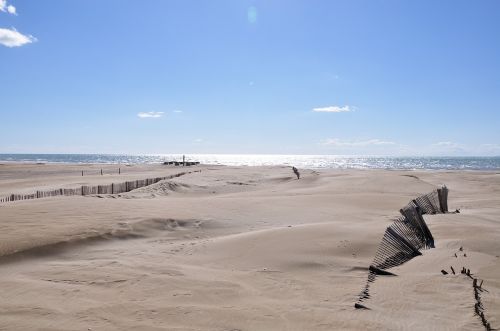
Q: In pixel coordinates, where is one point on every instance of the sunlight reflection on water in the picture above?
(301, 161)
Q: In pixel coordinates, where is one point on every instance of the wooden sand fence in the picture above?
(114, 188)
(406, 236)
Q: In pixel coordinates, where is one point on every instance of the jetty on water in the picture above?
(181, 163)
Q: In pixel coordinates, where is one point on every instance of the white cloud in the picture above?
(358, 143)
(11, 9)
(333, 109)
(150, 114)
(7, 8)
(177, 111)
(199, 140)
(13, 38)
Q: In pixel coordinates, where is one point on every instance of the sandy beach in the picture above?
(240, 248)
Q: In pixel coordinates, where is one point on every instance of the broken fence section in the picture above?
(406, 236)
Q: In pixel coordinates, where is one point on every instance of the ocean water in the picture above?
(300, 161)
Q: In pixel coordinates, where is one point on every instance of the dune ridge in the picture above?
(147, 228)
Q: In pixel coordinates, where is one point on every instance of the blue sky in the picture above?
(284, 77)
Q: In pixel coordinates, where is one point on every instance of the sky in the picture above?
(260, 77)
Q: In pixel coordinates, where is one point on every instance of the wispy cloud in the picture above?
(446, 144)
(491, 146)
(356, 143)
(13, 38)
(150, 114)
(489, 149)
(333, 109)
(451, 148)
(4, 7)
(177, 111)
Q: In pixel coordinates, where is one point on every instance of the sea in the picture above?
(300, 161)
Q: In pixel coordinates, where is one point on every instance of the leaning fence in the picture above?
(406, 236)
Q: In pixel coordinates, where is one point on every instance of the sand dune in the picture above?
(241, 248)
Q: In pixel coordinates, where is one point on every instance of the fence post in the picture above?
(443, 198)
